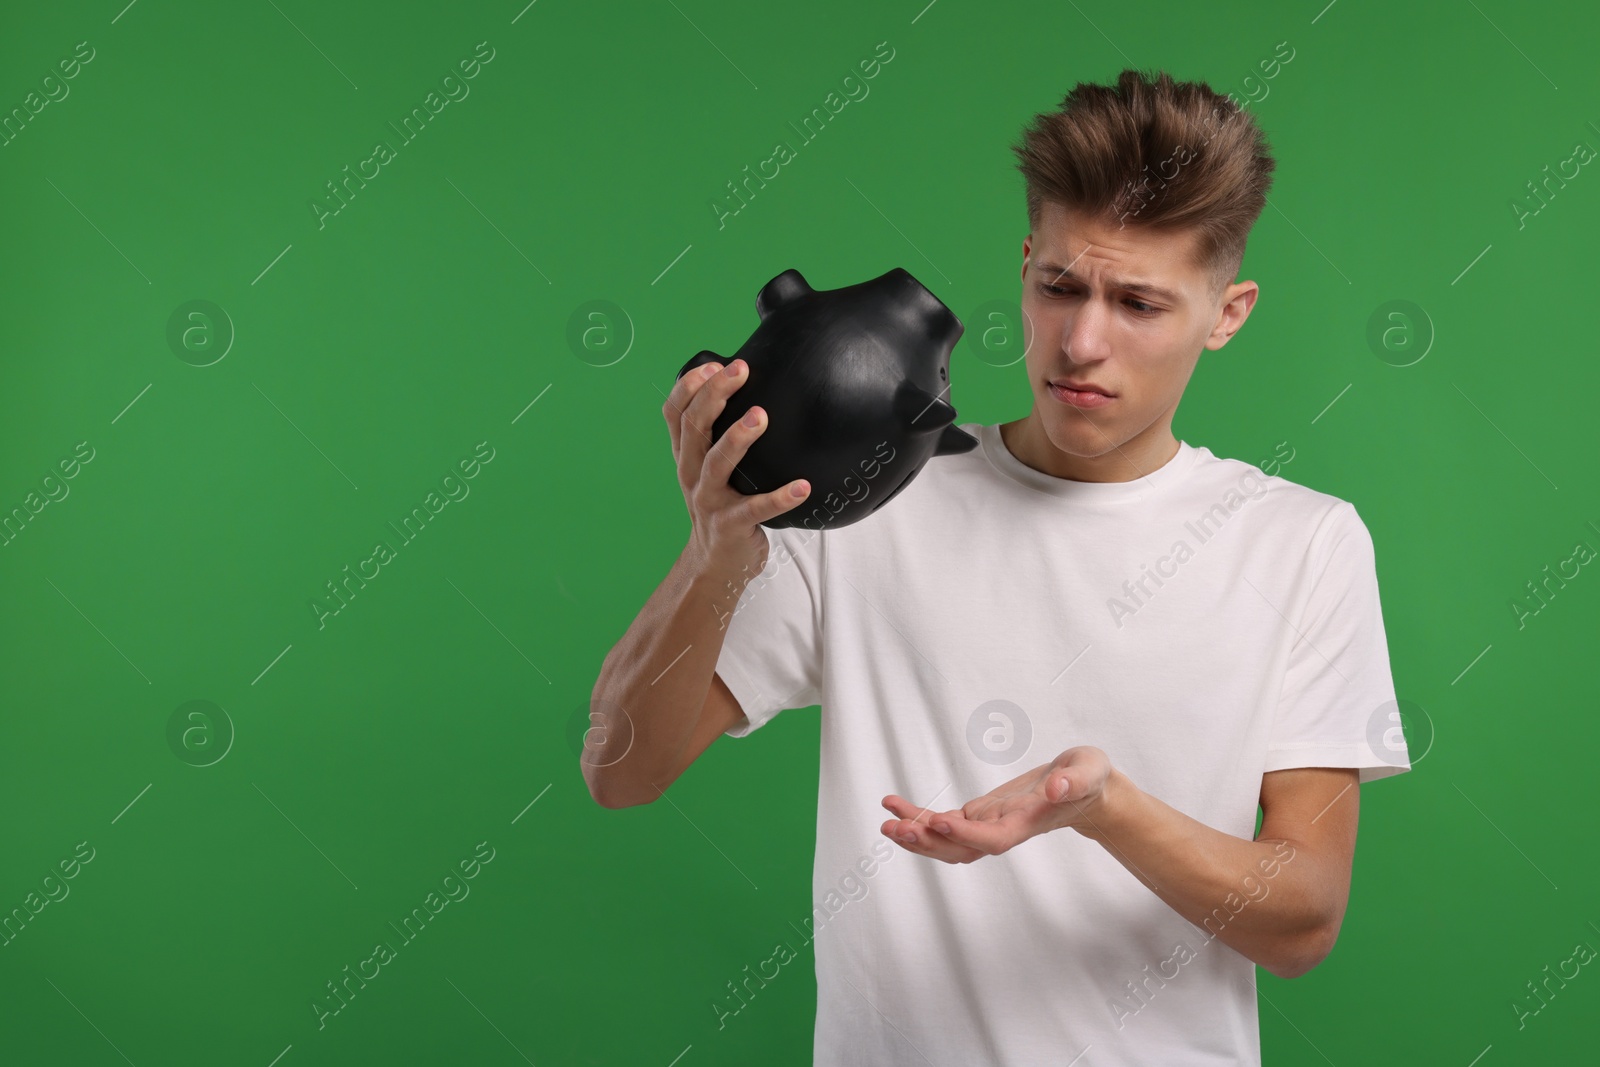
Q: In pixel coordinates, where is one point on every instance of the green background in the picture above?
(362, 759)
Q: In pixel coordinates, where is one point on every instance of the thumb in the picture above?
(1061, 787)
(1076, 773)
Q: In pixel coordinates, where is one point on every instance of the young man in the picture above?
(1070, 663)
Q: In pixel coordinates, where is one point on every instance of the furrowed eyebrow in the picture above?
(1057, 272)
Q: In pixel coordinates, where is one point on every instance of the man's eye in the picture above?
(1139, 306)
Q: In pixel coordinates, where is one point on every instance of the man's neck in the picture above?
(1138, 456)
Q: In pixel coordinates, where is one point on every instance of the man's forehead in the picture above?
(1145, 275)
(1148, 261)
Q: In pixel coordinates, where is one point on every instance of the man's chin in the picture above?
(1077, 434)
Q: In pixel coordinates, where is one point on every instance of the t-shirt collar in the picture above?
(1000, 457)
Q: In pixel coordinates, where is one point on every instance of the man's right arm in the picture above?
(658, 703)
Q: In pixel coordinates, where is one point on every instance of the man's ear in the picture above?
(1238, 299)
(1026, 251)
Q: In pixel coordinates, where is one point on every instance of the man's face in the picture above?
(1086, 324)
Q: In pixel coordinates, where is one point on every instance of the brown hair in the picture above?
(1160, 155)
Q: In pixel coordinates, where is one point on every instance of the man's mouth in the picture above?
(1086, 396)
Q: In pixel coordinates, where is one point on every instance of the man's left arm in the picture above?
(1336, 681)
(1278, 900)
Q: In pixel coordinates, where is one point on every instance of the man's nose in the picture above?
(1084, 338)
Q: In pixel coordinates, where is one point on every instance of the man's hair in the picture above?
(1161, 156)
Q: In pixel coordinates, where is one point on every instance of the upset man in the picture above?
(1071, 664)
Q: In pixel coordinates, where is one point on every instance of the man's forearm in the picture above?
(1266, 899)
(650, 690)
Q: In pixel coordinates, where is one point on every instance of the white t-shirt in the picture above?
(1203, 625)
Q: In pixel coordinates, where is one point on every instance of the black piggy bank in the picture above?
(852, 381)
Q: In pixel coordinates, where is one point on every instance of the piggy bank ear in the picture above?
(923, 413)
(779, 291)
(920, 411)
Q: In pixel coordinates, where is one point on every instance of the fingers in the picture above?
(915, 836)
(952, 835)
(683, 391)
(706, 397)
(706, 404)
(782, 499)
(721, 458)
(725, 455)
(988, 838)
(692, 408)
(910, 819)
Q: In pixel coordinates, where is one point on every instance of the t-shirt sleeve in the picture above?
(1337, 707)
(771, 655)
